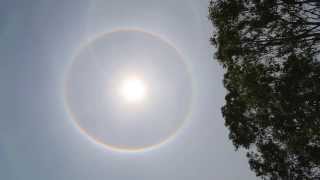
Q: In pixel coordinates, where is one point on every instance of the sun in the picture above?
(133, 90)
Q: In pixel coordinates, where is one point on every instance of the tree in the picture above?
(270, 50)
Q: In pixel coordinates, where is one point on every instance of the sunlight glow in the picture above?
(133, 90)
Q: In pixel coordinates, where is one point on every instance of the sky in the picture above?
(43, 42)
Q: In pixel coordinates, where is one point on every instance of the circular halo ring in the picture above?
(96, 140)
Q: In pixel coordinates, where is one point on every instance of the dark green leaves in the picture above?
(270, 50)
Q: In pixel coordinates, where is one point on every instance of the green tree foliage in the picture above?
(270, 50)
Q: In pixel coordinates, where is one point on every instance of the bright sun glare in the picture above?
(133, 90)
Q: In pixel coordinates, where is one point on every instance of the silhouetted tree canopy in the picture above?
(270, 51)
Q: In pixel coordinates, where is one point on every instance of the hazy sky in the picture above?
(38, 139)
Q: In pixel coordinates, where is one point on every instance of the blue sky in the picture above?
(38, 140)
